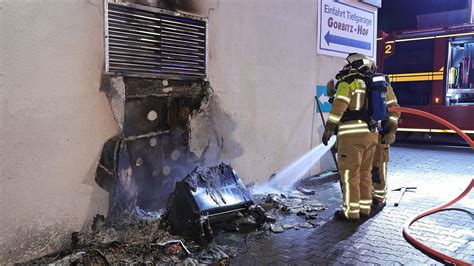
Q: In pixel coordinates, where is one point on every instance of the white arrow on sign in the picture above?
(323, 98)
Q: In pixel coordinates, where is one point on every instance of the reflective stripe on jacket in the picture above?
(350, 95)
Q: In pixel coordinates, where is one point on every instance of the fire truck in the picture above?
(431, 70)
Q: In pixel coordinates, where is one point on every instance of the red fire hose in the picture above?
(406, 232)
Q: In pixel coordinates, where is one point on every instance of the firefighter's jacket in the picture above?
(351, 95)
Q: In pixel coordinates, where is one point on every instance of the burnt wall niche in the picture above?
(140, 166)
(155, 81)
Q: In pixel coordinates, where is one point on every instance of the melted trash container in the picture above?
(208, 196)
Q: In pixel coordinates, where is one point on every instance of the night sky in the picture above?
(397, 15)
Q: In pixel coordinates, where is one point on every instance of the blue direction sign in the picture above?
(346, 41)
(323, 98)
(345, 28)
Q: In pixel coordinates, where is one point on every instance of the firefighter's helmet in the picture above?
(361, 63)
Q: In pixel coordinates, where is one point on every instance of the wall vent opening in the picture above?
(143, 41)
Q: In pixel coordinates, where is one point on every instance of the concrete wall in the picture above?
(54, 121)
(262, 64)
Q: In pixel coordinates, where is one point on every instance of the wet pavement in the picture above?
(440, 173)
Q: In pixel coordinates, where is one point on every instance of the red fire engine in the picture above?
(431, 70)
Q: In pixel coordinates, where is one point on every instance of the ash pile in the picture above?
(146, 241)
(206, 202)
(208, 220)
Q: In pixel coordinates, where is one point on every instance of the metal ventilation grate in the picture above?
(150, 42)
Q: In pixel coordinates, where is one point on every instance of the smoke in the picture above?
(289, 176)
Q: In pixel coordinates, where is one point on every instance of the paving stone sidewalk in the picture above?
(440, 173)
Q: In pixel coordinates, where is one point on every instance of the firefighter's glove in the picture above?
(390, 128)
(330, 127)
(389, 138)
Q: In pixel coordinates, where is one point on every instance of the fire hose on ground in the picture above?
(435, 254)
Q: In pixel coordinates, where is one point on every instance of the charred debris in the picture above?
(209, 202)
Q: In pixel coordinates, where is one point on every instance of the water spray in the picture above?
(289, 176)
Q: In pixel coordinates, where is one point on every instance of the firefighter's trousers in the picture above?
(355, 157)
(379, 171)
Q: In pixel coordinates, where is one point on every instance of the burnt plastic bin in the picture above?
(204, 197)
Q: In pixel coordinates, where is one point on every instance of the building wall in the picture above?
(54, 121)
(263, 67)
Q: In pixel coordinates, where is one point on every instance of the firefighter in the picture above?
(356, 142)
(381, 157)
